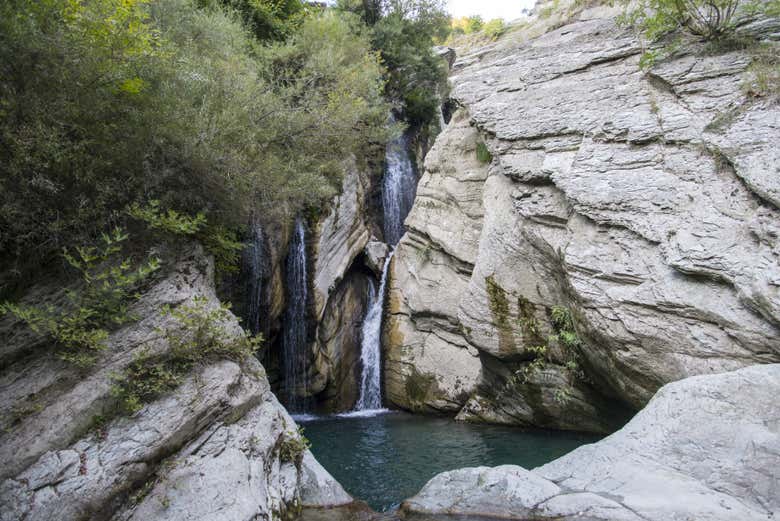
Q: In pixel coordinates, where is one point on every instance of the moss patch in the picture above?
(499, 309)
(483, 154)
(418, 386)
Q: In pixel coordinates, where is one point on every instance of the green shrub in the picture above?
(483, 154)
(763, 74)
(293, 447)
(199, 335)
(708, 19)
(403, 32)
(494, 28)
(473, 24)
(270, 19)
(108, 283)
(218, 240)
(108, 102)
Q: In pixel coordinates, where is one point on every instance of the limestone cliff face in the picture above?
(340, 297)
(625, 233)
(212, 449)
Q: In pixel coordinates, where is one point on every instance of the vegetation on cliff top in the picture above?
(112, 102)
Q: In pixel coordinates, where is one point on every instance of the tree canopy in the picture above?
(231, 108)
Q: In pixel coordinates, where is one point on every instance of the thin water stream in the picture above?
(294, 348)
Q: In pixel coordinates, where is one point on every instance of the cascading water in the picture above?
(254, 267)
(399, 186)
(294, 336)
(371, 349)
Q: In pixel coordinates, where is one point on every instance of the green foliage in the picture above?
(548, 10)
(483, 154)
(469, 24)
(293, 447)
(108, 102)
(20, 411)
(199, 335)
(494, 28)
(108, 283)
(224, 245)
(708, 19)
(169, 221)
(270, 19)
(565, 335)
(218, 240)
(498, 302)
(403, 31)
(537, 363)
(763, 74)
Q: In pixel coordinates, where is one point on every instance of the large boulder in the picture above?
(705, 448)
(218, 447)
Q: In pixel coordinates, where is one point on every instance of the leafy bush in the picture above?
(708, 19)
(218, 240)
(403, 32)
(763, 74)
(107, 102)
(270, 19)
(494, 28)
(293, 447)
(467, 24)
(200, 335)
(109, 282)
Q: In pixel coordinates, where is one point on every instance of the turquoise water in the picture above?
(385, 459)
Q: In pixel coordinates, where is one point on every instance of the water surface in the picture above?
(386, 458)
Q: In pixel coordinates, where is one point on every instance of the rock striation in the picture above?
(220, 447)
(705, 448)
(621, 231)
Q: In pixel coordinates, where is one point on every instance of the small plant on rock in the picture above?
(483, 154)
(108, 283)
(708, 20)
(200, 335)
(292, 448)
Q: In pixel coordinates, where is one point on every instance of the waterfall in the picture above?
(254, 267)
(294, 335)
(371, 347)
(399, 186)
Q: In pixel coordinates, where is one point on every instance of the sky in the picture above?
(487, 9)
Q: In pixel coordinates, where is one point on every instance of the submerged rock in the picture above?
(705, 448)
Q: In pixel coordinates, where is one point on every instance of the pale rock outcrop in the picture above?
(338, 338)
(640, 204)
(428, 363)
(705, 448)
(376, 252)
(340, 293)
(339, 237)
(211, 449)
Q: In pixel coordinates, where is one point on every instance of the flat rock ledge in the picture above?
(705, 448)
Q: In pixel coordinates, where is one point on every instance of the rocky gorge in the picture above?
(621, 231)
(590, 240)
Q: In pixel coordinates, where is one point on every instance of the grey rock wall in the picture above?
(641, 203)
(212, 449)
